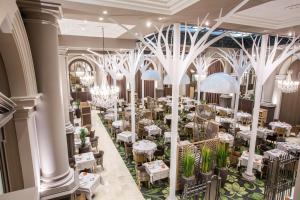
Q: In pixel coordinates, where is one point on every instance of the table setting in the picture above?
(146, 122)
(88, 183)
(244, 117)
(157, 170)
(288, 147)
(274, 153)
(226, 138)
(85, 161)
(77, 142)
(145, 146)
(284, 125)
(109, 116)
(153, 130)
(120, 124)
(257, 162)
(125, 136)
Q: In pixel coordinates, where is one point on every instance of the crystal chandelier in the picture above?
(288, 85)
(104, 96)
(87, 80)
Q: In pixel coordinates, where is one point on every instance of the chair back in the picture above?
(281, 132)
(139, 157)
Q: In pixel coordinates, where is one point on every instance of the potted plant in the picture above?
(83, 135)
(188, 165)
(206, 164)
(77, 108)
(222, 155)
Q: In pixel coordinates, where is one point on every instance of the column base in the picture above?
(249, 177)
(70, 185)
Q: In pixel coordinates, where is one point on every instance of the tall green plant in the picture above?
(222, 155)
(206, 160)
(83, 134)
(188, 164)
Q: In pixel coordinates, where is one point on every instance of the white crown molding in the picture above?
(262, 23)
(165, 7)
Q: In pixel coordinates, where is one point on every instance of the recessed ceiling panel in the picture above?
(91, 29)
(275, 14)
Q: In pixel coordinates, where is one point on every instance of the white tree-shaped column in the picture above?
(129, 69)
(202, 63)
(240, 64)
(175, 60)
(265, 56)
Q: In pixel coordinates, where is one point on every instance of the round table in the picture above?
(284, 125)
(226, 138)
(146, 147)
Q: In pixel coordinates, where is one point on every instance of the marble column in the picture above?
(277, 95)
(25, 122)
(62, 58)
(57, 178)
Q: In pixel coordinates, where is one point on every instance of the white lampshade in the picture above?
(219, 83)
(151, 75)
(184, 81)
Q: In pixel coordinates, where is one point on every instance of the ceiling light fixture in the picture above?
(160, 18)
(104, 12)
(290, 34)
(207, 23)
(85, 21)
(101, 18)
(148, 24)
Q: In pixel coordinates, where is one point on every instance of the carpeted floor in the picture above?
(236, 187)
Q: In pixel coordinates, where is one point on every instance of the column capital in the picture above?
(62, 51)
(40, 12)
(26, 105)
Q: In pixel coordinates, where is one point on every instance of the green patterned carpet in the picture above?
(236, 188)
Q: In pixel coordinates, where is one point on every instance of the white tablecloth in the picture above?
(77, 142)
(190, 116)
(88, 183)
(85, 161)
(125, 136)
(257, 162)
(264, 132)
(284, 125)
(157, 170)
(226, 138)
(110, 110)
(188, 107)
(153, 130)
(289, 146)
(183, 143)
(245, 135)
(120, 124)
(190, 125)
(145, 146)
(109, 116)
(146, 122)
(243, 116)
(227, 110)
(167, 137)
(274, 153)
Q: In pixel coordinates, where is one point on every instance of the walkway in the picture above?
(118, 182)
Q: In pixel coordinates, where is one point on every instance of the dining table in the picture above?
(279, 124)
(157, 170)
(144, 147)
(153, 130)
(226, 138)
(257, 162)
(88, 184)
(125, 136)
(85, 161)
(289, 147)
(274, 153)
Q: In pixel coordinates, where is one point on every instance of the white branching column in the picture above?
(240, 64)
(265, 59)
(42, 30)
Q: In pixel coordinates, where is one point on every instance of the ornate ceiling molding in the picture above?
(165, 7)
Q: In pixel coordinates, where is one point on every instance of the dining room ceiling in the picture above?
(144, 16)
